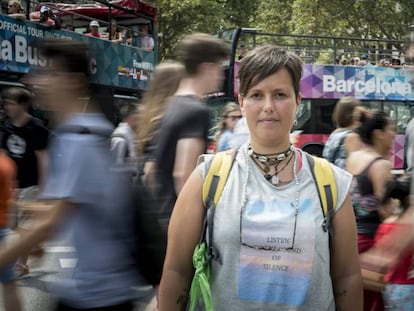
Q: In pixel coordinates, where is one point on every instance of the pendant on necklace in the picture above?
(275, 180)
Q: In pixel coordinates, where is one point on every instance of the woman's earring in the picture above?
(295, 122)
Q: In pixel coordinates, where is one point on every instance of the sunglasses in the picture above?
(234, 118)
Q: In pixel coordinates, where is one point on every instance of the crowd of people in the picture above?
(362, 145)
(272, 247)
(141, 38)
(364, 60)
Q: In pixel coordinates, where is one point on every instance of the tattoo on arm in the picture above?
(341, 293)
(182, 301)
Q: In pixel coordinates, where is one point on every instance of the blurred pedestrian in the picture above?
(82, 189)
(229, 117)
(123, 140)
(183, 130)
(11, 300)
(24, 140)
(273, 252)
(167, 77)
(340, 143)
(399, 288)
(371, 168)
(390, 247)
(240, 135)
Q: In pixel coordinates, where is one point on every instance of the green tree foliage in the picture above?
(379, 19)
(273, 16)
(386, 19)
(180, 17)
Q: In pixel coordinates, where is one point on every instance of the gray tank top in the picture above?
(265, 263)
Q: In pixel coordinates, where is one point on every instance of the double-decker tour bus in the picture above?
(120, 71)
(324, 81)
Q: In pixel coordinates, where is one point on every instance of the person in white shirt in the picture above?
(123, 137)
(146, 40)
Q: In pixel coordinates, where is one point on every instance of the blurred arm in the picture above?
(18, 16)
(42, 163)
(345, 268)
(187, 152)
(149, 173)
(41, 232)
(183, 235)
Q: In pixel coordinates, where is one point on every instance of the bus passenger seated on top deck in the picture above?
(46, 17)
(146, 42)
(115, 35)
(94, 30)
(15, 9)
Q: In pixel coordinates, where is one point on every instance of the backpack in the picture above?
(322, 174)
(150, 230)
(151, 222)
(213, 185)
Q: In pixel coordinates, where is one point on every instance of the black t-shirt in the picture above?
(20, 144)
(185, 117)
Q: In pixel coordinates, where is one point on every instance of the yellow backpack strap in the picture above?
(326, 185)
(216, 177)
(213, 186)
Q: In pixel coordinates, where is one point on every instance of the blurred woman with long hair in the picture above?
(229, 117)
(167, 77)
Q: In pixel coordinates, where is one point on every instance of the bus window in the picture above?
(303, 115)
(400, 113)
(373, 105)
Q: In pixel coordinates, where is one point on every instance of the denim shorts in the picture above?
(399, 297)
(7, 274)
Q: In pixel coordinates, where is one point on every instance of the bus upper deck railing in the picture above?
(321, 49)
(71, 20)
(111, 64)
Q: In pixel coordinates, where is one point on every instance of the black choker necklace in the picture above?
(268, 160)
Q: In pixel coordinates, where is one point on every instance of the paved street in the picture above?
(58, 261)
(34, 289)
